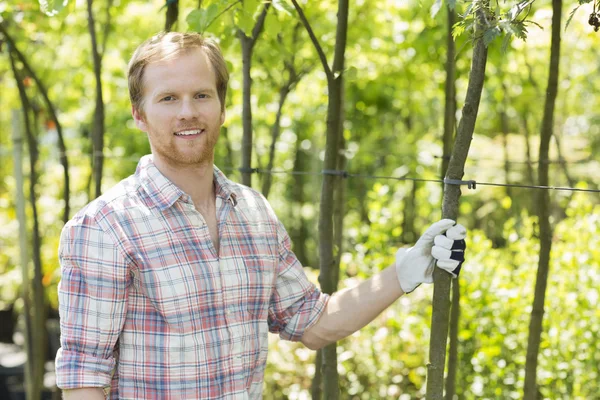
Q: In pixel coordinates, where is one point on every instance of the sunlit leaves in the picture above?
(494, 22)
(435, 8)
(52, 7)
(283, 6)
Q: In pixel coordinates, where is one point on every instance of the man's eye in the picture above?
(201, 96)
(167, 98)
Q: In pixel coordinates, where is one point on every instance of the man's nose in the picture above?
(186, 109)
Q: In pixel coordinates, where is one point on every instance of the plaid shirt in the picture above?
(149, 310)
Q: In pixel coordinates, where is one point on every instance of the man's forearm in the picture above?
(351, 309)
(84, 394)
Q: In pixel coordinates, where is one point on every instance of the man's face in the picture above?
(181, 110)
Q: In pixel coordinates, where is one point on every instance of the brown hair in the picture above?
(164, 46)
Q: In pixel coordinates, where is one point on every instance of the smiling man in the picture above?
(172, 280)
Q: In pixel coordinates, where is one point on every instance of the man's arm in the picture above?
(351, 309)
(84, 394)
(92, 298)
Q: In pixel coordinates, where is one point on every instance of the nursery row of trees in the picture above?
(348, 116)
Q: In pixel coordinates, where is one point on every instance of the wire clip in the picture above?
(470, 184)
(343, 174)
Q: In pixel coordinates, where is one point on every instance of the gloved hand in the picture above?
(444, 243)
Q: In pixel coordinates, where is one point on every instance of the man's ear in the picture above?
(140, 119)
(223, 117)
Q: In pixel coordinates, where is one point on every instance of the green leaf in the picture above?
(250, 6)
(506, 42)
(491, 34)
(459, 28)
(200, 19)
(571, 16)
(245, 22)
(435, 8)
(284, 6)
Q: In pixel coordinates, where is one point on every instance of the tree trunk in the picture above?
(246, 110)
(441, 292)
(64, 161)
(316, 389)
(172, 14)
(449, 126)
(504, 128)
(561, 160)
(98, 127)
(247, 44)
(525, 124)
(299, 232)
(335, 106)
(339, 209)
(275, 130)
(30, 388)
(228, 150)
(450, 93)
(38, 337)
(326, 239)
(543, 207)
(408, 221)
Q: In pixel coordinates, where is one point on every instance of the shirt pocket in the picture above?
(261, 273)
(166, 289)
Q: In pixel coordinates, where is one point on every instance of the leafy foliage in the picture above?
(392, 125)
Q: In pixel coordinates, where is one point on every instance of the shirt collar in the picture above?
(164, 193)
(224, 188)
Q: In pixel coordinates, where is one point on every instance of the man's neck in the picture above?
(196, 180)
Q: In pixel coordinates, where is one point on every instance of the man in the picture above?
(172, 279)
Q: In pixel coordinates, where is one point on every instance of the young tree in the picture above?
(37, 312)
(335, 111)
(545, 229)
(441, 293)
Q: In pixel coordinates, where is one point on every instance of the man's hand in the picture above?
(444, 243)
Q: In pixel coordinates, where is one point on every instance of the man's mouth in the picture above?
(189, 132)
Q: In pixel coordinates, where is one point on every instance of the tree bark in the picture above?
(275, 131)
(316, 389)
(38, 337)
(64, 161)
(98, 127)
(296, 184)
(335, 104)
(441, 292)
(450, 92)
(449, 127)
(339, 209)
(528, 160)
(562, 162)
(247, 44)
(504, 129)
(30, 388)
(537, 313)
(408, 221)
(172, 14)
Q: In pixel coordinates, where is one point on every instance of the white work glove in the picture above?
(444, 243)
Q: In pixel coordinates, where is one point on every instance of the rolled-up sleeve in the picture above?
(296, 303)
(92, 297)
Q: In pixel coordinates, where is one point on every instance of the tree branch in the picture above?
(106, 29)
(314, 40)
(260, 22)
